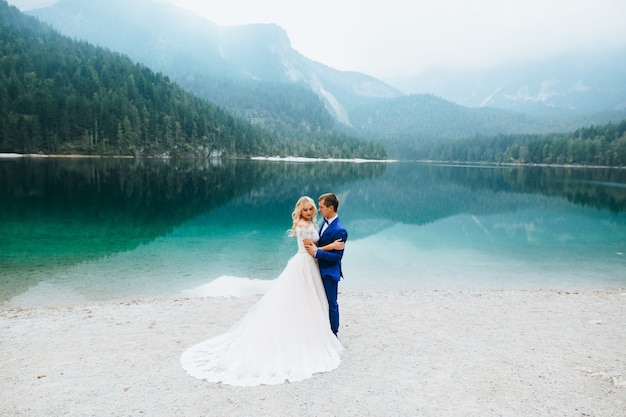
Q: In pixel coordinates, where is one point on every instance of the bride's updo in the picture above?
(297, 212)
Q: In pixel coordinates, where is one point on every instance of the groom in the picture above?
(330, 261)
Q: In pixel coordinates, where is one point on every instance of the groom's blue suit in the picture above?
(330, 267)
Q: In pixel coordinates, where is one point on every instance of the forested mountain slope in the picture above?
(63, 96)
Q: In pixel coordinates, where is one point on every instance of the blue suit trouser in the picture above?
(331, 287)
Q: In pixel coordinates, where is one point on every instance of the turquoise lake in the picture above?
(95, 230)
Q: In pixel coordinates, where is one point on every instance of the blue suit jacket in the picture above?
(330, 261)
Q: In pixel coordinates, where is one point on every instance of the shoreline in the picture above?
(408, 353)
(303, 159)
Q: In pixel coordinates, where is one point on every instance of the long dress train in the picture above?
(285, 336)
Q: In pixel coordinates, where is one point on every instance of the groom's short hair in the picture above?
(329, 199)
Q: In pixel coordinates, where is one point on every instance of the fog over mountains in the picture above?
(584, 82)
(244, 68)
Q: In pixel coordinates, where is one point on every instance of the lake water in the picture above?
(92, 230)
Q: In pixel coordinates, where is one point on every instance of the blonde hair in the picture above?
(296, 215)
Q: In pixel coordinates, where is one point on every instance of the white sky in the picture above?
(398, 38)
(394, 38)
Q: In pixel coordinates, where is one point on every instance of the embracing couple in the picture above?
(291, 332)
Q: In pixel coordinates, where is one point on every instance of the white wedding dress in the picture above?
(285, 336)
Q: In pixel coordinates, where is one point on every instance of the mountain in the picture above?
(215, 62)
(572, 83)
(440, 120)
(63, 96)
(59, 95)
(428, 117)
(253, 71)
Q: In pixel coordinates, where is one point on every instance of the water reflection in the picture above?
(126, 202)
(423, 193)
(602, 188)
(57, 213)
(60, 212)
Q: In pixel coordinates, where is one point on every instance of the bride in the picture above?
(286, 335)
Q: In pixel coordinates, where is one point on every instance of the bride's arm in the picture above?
(336, 245)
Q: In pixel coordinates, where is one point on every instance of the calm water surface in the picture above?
(91, 230)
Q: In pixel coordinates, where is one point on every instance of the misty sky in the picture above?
(397, 38)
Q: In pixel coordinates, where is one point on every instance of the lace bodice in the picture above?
(306, 233)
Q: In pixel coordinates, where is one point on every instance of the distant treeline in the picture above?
(59, 95)
(596, 145)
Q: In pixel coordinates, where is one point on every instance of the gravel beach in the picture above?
(491, 353)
